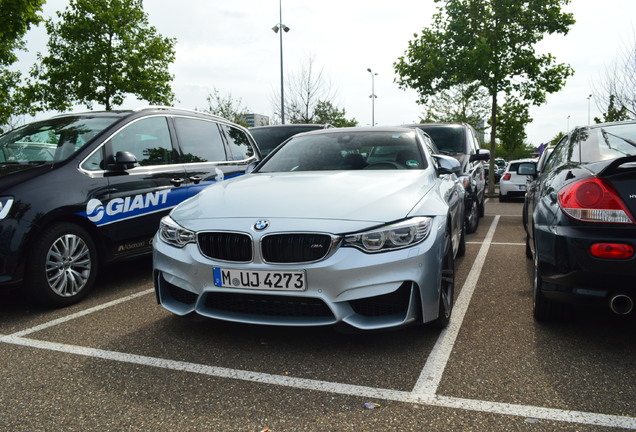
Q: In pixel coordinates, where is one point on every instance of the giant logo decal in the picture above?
(132, 206)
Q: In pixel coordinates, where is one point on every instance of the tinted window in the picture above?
(268, 138)
(447, 138)
(148, 139)
(200, 140)
(238, 142)
(51, 140)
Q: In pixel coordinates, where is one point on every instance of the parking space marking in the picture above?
(431, 374)
(424, 391)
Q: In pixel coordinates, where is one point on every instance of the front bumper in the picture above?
(366, 291)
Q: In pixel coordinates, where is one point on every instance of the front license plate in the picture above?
(260, 279)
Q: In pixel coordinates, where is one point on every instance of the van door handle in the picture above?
(195, 179)
(176, 181)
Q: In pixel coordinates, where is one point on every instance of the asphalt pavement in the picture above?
(119, 362)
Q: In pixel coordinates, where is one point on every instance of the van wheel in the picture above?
(472, 218)
(62, 266)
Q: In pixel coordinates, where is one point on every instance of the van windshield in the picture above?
(52, 140)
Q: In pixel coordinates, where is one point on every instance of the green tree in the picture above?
(616, 111)
(16, 19)
(326, 113)
(513, 118)
(227, 107)
(490, 42)
(463, 103)
(99, 52)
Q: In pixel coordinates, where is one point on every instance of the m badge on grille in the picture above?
(261, 225)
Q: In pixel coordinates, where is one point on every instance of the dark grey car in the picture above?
(460, 141)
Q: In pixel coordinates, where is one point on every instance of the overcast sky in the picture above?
(230, 46)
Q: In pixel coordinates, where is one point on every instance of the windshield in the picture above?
(347, 151)
(52, 140)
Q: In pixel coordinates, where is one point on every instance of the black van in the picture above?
(81, 190)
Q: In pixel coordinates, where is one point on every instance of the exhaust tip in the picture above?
(621, 304)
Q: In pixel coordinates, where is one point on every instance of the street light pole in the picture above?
(373, 96)
(280, 28)
(588, 109)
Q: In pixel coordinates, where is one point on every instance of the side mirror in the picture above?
(447, 165)
(482, 155)
(124, 160)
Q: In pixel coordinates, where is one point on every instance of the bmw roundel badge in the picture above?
(261, 225)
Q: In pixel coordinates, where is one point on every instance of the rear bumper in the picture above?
(572, 274)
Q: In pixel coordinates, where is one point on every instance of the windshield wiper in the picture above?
(627, 140)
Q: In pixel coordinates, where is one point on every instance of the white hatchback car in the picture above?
(514, 179)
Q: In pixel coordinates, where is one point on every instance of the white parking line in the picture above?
(424, 391)
(434, 368)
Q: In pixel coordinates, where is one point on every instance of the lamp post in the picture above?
(588, 109)
(373, 96)
(280, 28)
(567, 131)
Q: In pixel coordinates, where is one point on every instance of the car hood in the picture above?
(12, 173)
(375, 196)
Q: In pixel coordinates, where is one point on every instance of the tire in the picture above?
(543, 309)
(62, 266)
(472, 218)
(461, 249)
(482, 207)
(447, 285)
(528, 250)
(502, 198)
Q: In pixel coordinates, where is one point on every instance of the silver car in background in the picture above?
(359, 226)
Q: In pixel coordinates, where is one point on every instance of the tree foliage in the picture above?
(513, 118)
(100, 51)
(17, 17)
(326, 113)
(490, 42)
(462, 103)
(227, 107)
(616, 111)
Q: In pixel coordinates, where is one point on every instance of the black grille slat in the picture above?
(295, 248)
(388, 304)
(268, 305)
(226, 246)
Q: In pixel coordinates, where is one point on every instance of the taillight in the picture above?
(506, 176)
(612, 250)
(594, 200)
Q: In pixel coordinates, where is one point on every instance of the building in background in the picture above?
(256, 120)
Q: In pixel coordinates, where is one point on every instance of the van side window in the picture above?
(200, 140)
(238, 142)
(148, 139)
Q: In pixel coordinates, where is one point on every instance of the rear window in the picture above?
(268, 138)
(604, 143)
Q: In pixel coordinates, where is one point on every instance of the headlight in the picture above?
(391, 237)
(174, 234)
(5, 206)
